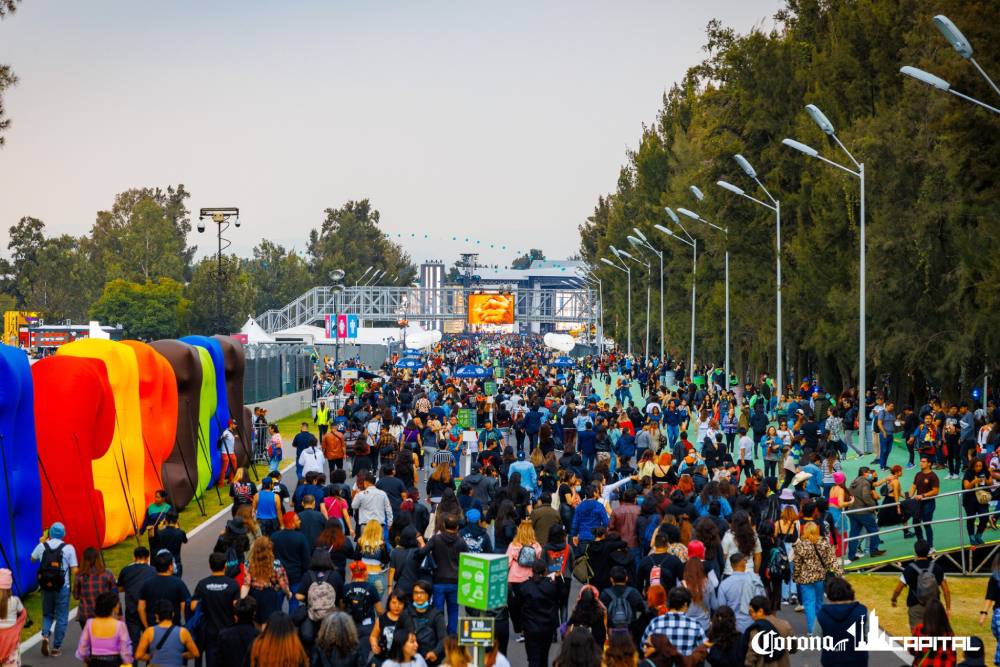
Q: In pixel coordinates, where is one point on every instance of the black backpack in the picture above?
(51, 575)
(620, 613)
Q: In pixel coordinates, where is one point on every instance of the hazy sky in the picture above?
(501, 121)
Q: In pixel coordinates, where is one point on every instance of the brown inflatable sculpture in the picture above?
(180, 470)
(235, 362)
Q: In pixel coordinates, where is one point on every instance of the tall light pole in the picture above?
(963, 47)
(335, 277)
(649, 282)
(591, 279)
(640, 240)
(774, 206)
(628, 273)
(694, 272)
(221, 217)
(824, 124)
(694, 216)
(362, 277)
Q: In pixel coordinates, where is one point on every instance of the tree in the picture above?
(147, 311)
(278, 276)
(7, 76)
(58, 282)
(350, 239)
(238, 295)
(27, 238)
(524, 261)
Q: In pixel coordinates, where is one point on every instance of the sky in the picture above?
(501, 122)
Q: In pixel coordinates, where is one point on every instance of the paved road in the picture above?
(202, 540)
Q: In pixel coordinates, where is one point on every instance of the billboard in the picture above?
(491, 309)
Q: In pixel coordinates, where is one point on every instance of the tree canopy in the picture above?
(931, 163)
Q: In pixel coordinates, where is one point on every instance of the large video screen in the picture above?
(491, 309)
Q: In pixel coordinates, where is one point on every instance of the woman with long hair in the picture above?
(505, 525)
(337, 643)
(727, 643)
(373, 552)
(246, 513)
(337, 507)
(812, 558)
(242, 490)
(590, 614)
(455, 655)
(976, 480)
(786, 534)
(656, 605)
(741, 537)
(278, 644)
(621, 651)
(439, 480)
(404, 651)
(265, 579)
(386, 623)
(935, 624)
(702, 591)
(91, 580)
(578, 649)
(335, 540)
(522, 552)
(707, 532)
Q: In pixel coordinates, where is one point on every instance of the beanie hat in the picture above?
(839, 477)
(473, 515)
(57, 531)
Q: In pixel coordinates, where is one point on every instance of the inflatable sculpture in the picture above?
(119, 474)
(20, 505)
(72, 434)
(157, 397)
(219, 416)
(235, 364)
(180, 470)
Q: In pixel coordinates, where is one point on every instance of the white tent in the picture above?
(254, 332)
(97, 332)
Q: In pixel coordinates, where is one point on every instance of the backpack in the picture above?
(357, 603)
(232, 563)
(927, 584)
(620, 613)
(778, 568)
(51, 575)
(558, 561)
(526, 556)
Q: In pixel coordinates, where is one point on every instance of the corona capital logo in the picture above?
(867, 636)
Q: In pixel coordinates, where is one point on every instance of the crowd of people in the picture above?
(687, 519)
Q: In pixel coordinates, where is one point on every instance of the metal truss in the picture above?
(383, 304)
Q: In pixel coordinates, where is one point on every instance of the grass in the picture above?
(120, 555)
(875, 592)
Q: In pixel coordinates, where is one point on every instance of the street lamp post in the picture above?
(775, 206)
(725, 230)
(694, 272)
(963, 47)
(824, 124)
(221, 217)
(640, 240)
(649, 281)
(628, 306)
(591, 279)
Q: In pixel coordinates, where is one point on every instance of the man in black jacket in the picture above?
(540, 596)
(294, 552)
(445, 548)
(236, 641)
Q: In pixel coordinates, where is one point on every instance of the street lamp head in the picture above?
(690, 214)
(745, 166)
(634, 241)
(820, 119)
(665, 230)
(696, 192)
(673, 216)
(625, 253)
(801, 147)
(953, 35)
(729, 186)
(336, 275)
(615, 252)
(639, 233)
(608, 262)
(925, 77)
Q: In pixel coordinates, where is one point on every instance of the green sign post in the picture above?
(477, 633)
(490, 388)
(466, 418)
(498, 371)
(482, 581)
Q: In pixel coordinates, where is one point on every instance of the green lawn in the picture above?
(875, 592)
(120, 555)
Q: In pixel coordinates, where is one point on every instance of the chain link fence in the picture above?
(276, 369)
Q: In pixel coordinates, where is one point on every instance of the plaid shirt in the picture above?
(683, 632)
(86, 588)
(933, 657)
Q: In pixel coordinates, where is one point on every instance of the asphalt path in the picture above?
(202, 539)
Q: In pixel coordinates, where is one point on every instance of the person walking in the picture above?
(837, 619)
(166, 644)
(540, 602)
(265, 579)
(105, 639)
(58, 565)
(925, 487)
(275, 451)
(92, 579)
(812, 559)
(267, 507)
(227, 450)
(445, 548)
(738, 589)
(924, 579)
(216, 596)
(13, 616)
(334, 449)
(293, 551)
(866, 497)
(130, 582)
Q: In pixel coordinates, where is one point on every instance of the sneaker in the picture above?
(878, 552)
(799, 607)
(519, 637)
(794, 600)
(45, 646)
(846, 561)
(931, 552)
(55, 653)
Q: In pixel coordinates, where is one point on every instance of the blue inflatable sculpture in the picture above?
(221, 420)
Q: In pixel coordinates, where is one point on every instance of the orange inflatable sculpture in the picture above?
(119, 474)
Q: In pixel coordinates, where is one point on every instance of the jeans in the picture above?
(926, 513)
(272, 465)
(456, 463)
(789, 588)
(55, 609)
(861, 523)
(885, 446)
(674, 432)
(589, 460)
(228, 469)
(812, 600)
(770, 468)
(448, 593)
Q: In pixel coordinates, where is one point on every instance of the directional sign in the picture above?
(482, 581)
(476, 631)
(466, 417)
(352, 326)
(341, 326)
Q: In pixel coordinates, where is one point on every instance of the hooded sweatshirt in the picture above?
(445, 547)
(835, 618)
